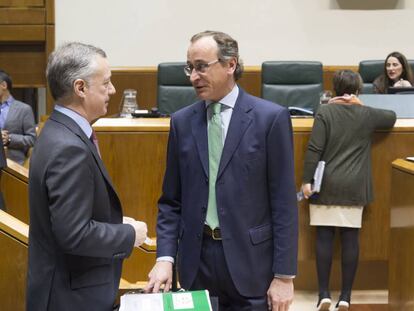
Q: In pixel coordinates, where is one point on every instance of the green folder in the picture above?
(191, 300)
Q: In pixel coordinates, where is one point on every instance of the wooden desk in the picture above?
(13, 262)
(134, 151)
(401, 268)
(14, 182)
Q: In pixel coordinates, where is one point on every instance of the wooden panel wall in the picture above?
(26, 38)
(14, 181)
(144, 80)
(134, 154)
(13, 262)
(401, 272)
(136, 161)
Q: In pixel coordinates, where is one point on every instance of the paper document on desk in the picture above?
(191, 300)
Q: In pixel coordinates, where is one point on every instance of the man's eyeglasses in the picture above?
(198, 67)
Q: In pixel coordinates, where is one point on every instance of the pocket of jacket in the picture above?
(260, 234)
(94, 276)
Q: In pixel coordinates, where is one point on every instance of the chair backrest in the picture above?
(372, 69)
(292, 83)
(174, 88)
(369, 71)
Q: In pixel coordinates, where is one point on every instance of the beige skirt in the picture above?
(336, 215)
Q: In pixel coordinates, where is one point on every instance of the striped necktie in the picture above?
(215, 148)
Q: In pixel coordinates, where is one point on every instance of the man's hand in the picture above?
(280, 294)
(160, 274)
(140, 228)
(5, 137)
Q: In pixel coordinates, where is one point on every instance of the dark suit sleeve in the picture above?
(71, 181)
(169, 205)
(382, 118)
(26, 139)
(282, 194)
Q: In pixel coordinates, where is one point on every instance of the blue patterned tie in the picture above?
(215, 148)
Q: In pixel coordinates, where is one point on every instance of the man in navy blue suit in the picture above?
(228, 206)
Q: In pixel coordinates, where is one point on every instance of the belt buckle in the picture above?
(213, 235)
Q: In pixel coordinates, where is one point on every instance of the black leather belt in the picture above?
(214, 234)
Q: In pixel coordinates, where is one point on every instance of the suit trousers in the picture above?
(213, 275)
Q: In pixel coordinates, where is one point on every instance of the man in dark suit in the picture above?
(228, 205)
(77, 240)
(18, 129)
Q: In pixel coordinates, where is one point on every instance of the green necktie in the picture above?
(215, 147)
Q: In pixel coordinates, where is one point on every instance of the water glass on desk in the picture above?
(128, 103)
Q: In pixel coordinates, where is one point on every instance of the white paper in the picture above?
(410, 159)
(142, 302)
(317, 177)
(182, 301)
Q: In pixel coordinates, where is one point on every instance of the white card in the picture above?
(182, 301)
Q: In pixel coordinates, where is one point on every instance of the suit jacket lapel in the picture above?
(199, 130)
(72, 126)
(240, 121)
(10, 114)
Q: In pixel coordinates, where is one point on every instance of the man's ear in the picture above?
(3, 85)
(79, 87)
(232, 65)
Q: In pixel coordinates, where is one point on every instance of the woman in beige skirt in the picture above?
(341, 136)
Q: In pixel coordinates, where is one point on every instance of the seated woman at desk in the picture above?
(397, 73)
(341, 136)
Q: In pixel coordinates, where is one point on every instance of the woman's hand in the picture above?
(402, 83)
(307, 190)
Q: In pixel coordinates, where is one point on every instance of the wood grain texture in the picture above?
(14, 186)
(144, 80)
(13, 262)
(401, 268)
(23, 3)
(134, 152)
(22, 16)
(138, 179)
(22, 33)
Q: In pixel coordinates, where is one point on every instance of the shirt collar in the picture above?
(230, 99)
(8, 101)
(81, 121)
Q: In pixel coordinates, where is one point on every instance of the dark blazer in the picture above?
(255, 191)
(3, 161)
(22, 130)
(341, 136)
(76, 239)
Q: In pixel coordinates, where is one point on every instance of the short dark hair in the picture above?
(347, 82)
(4, 76)
(227, 48)
(71, 61)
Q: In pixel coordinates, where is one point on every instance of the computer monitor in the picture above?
(400, 90)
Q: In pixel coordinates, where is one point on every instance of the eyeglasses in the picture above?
(198, 67)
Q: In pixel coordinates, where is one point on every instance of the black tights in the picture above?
(324, 251)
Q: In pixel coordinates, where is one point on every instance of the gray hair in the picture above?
(69, 62)
(228, 48)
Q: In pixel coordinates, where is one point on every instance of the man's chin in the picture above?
(202, 95)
